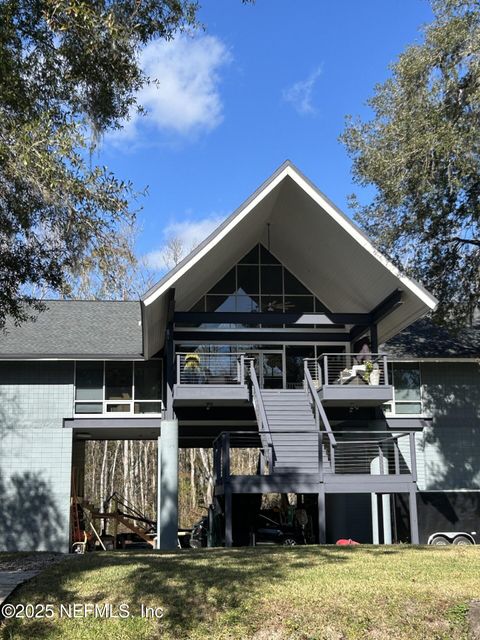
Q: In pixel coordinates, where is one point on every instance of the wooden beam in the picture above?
(389, 304)
(224, 317)
(357, 331)
(171, 305)
(259, 336)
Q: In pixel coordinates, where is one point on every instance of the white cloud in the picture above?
(184, 96)
(300, 93)
(187, 234)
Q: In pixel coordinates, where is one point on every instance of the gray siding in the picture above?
(449, 450)
(35, 454)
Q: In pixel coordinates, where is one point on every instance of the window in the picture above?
(405, 378)
(118, 380)
(89, 384)
(118, 387)
(258, 283)
(147, 380)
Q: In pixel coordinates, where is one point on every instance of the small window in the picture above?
(118, 381)
(148, 407)
(88, 407)
(118, 408)
(271, 279)
(405, 377)
(251, 257)
(227, 284)
(272, 304)
(292, 285)
(89, 381)
(148, 380)
(247, 280)
(220, 303)
(248, 304)
(298, 304)
(266, 257)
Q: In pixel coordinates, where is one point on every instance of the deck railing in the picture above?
(210, 368)
(371, 453)
(348, 369)
(226, 464)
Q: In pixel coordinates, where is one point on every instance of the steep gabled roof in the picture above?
(77, 329)
(312, 238)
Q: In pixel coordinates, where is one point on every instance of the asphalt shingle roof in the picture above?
(96, 328)
(77, 328)
(424, 339)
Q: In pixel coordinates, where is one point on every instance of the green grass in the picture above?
(314, 593)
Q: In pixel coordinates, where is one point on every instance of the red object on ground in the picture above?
(345, 543)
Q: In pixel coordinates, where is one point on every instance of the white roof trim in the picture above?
(216, 237)
(317, 196)
(359, 236)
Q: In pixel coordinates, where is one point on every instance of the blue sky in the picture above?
(264, 82)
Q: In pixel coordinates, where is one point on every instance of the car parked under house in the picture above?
(285, 332)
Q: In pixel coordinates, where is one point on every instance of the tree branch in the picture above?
(476, 243)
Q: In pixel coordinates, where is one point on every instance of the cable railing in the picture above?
(261, 415)
(366, 453)
(227, 462)
(321, 419)
(370, 453)
(348, 369)
(197, 368)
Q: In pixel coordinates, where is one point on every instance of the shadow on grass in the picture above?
(191, 586)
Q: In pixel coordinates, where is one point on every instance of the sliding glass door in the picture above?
(270, 368)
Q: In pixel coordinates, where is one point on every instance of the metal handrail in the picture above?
(352, 456)
(330, 366)
(234, 375)
(260, 412)
(314, 395)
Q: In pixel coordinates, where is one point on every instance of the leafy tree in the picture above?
(68, 72)
(421, 153)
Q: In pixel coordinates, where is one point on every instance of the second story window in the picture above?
(407, 397)
(118, 387)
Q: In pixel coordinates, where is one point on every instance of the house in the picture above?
(285, 332)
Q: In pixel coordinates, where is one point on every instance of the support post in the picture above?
(373, 338)
(168, 485)
(322, 520)
(159, 490)
(228, 515)
(375, 527)
(413, 455)
(396, 456)
(412, 503)
(387, 519)
(170, 372)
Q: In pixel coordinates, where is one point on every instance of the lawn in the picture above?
(319, 593)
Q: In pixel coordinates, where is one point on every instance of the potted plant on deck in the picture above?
(372, 373)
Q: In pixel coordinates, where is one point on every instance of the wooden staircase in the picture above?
(137, 530)
(290, 416)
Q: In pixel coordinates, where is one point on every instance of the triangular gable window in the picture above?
(259, 282)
